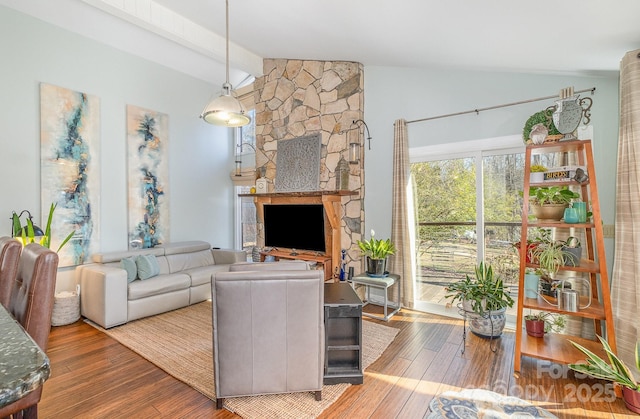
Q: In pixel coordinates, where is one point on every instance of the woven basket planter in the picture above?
(66, 308)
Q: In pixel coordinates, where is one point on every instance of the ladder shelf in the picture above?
(553, 346)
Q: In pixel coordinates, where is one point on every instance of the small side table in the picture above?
(383, 284)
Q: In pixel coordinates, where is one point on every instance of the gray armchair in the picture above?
(268, 330)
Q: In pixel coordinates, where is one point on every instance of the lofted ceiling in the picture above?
(545, 36)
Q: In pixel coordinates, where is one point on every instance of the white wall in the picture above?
(200, 155)
(393, 93)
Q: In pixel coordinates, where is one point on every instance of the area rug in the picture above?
(478, 403)
(180, 343)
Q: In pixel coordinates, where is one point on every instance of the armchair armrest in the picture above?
(228, 256)
(104, 294)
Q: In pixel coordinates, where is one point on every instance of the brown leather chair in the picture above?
(9, 257)
(31, 305)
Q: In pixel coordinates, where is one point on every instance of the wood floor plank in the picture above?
(406, 384)
(93, 376)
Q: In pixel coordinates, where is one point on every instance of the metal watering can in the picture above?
(569, 299)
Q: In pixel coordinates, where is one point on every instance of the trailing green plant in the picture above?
(484, 293)
(376, 248)
(27, 233)
(552, 322)
(615, 370)
(549, 255)
(541, 195)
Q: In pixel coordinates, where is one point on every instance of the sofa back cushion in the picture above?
(181, 261)
(116, 257)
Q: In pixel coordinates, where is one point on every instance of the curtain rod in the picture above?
(592, 90)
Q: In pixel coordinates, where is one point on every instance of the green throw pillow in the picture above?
(147, 266)
(129, 265)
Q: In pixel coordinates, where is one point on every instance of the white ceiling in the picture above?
(556, 36)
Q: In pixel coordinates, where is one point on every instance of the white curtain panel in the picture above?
(402, 216)
(625, 293)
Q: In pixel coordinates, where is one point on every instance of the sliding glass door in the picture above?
(468, 208)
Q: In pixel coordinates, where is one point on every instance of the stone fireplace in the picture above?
(297, 98)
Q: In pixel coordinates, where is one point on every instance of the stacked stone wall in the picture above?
(296, 98)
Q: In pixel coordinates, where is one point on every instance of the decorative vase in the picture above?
(570, 215)
(490, 325)
(535, 328)
(376, 267)
(549, 212)
(631, 399)
(531, 285)
(581, 209)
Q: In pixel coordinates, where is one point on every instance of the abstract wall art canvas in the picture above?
(70, 171)
(148, 177)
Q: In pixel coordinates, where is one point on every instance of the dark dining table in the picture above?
(23, 364)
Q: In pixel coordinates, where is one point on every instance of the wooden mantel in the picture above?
(330, 200)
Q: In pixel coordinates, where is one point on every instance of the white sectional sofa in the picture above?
(109, 298)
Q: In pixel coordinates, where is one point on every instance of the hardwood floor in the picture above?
(93, 376)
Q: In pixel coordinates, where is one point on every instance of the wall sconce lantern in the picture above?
(238, 162)
(354, 145)
(354, 152)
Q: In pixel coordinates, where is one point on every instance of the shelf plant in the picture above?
(550, 255)
(537, 173)
(543, 195)
(549, 202)
(537, 324)
(572, 251)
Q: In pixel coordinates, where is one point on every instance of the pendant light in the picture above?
(225, 110)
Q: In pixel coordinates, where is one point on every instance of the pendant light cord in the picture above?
(227, 31)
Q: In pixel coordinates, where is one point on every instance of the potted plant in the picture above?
(549, 202)
(27, 233)
(484, 298)
(572, 251)
(66, 305)
(537, 173)
(549, 254)
(543, 322)
(615, 371)
(537, 237)
(376, 252)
